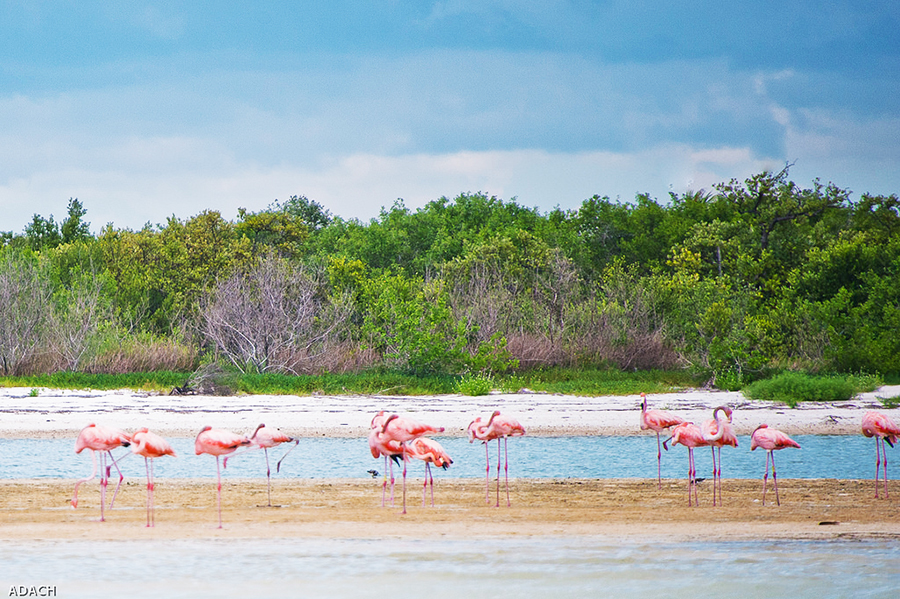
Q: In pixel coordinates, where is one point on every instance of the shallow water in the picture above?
(530, 567)
(821, 456)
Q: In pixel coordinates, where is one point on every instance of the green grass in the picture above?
(142, 381)
(794, 387)
(572, 381)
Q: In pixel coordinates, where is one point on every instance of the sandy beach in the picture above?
(351, 508)
(61, 414)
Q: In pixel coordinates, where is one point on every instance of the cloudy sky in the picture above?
(147, 109)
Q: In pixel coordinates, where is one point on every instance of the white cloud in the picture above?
(358, 185)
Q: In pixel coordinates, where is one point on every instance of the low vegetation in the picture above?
(724, 288)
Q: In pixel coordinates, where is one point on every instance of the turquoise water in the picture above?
(531, 567)
(821, 456)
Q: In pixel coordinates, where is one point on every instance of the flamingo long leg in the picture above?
(268, 476)
(278, 465)
(104, 481)
(775, 479)
(115, 462)
(384, 481)
(877, 463)
(428, 475)
(404, 479)
(487, 474)
(690, 475)
(658, 463)
(766, 477)
(498, 472)
(884, 467)
(94, 473)
(506, 469)
(152, 495)
(219, 489)
(147, 466)
(393, 480)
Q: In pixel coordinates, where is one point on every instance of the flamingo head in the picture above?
(753, 443)
(388, 421)
(470, 431)
(253, 436)
(724, 409)
(376, 419)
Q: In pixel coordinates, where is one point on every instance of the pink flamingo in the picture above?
(497, 427)
(478, 430)
(689, 435)
(102, 439)
(657, 421)
(402, 430)
(218, 442)
(770, 439)
(430, 452)
(875, 424)
(266, 438)
(391, 450)
(151, 446)
(717, 433)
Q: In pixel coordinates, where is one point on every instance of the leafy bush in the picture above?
(475, 385)
(793, 387)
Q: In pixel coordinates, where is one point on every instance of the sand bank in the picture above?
(810, 509)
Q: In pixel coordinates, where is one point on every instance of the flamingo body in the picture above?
(657, 421)
(718, 433)
(430, 452)
(691, 436)
(218, 442)
(150, 446)
(880, 426)
(265, 438)
(497, 427)
(103, 440)
(391, 450)
(400, 430)
(771, 440)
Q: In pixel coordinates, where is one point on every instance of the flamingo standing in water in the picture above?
(497, 427)
(381, 446)
(689, 435)
(266, 438)
(770, 439)
(875, 424)
(100, 439)
(151, 446)
(402, 430)
(657, 421)
(218, 442)
(717, 433)
(478, 430)
(430, 452)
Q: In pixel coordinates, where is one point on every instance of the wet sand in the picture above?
(351, 509)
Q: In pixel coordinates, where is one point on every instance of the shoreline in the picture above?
(62, 414)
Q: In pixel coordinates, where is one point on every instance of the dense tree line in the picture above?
(750, 277)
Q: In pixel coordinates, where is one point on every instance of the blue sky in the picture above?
(147, 109)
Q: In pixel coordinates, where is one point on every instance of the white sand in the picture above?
(56, 413)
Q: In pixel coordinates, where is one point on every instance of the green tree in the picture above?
(74, 229)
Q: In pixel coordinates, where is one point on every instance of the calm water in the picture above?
(530, 567)
(845, 457)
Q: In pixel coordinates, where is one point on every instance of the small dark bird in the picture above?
(374, 473)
